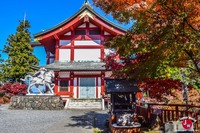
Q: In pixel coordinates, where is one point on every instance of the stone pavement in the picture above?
(41, 121)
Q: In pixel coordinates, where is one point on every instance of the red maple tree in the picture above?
(8, 90)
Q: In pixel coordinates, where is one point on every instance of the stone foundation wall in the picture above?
(35, 102)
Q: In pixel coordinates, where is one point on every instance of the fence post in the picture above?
(177, 113)
(161, 116)
(148, 113)
(196, 118)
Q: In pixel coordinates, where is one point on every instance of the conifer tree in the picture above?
(1, 74)
(20, 54)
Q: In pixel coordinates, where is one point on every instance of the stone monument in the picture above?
(42, 77)
(45, 99)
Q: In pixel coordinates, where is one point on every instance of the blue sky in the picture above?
(42, 15)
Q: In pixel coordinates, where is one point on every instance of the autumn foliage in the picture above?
(168, 30)
(177, 98)
(8, 90)
(160, 87)
(164, 39)
(154, 11)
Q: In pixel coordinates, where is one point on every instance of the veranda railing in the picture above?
(172, 112)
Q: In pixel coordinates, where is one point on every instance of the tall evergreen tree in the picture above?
(20, 54)
(1, 74)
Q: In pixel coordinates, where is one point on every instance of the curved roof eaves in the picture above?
(76, 14)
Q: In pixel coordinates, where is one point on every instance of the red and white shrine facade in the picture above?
(75, 52)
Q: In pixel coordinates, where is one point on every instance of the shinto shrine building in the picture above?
(75, 52)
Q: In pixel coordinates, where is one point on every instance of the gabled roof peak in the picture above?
(84, 9)
(86, 3)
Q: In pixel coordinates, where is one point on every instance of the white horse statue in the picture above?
(42, 77)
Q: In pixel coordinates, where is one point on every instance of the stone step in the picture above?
(98, 107)
(84, 104)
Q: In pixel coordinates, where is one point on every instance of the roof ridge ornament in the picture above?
(87, 3)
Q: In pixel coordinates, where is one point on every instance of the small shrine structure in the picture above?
(122, 107)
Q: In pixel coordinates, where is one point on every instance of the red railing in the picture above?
(172, 112)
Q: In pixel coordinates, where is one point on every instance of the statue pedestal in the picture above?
(36, 102)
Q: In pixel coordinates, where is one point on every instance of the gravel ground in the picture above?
(39, 121)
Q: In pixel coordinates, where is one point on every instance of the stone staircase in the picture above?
(96, 104)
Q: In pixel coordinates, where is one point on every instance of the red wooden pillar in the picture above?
(77, 87)
(102, 46)
(57, 50)
(97, 84)
(71, 84)
(56, 83)
(102, 84)
(102, 53)
(72, 51)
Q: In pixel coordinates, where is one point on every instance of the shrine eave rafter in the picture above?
(35, 43)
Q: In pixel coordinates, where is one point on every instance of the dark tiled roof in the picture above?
(78, 66)
(121, 86)
(84, 7)
(35, 43)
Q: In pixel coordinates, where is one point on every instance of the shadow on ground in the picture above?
(101, 121)
(91, 119)
(86, 121)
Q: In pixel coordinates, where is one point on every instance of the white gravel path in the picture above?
(40, 121)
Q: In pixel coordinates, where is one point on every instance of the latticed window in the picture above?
(80, 32)
(94, 32)
(64, 85)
